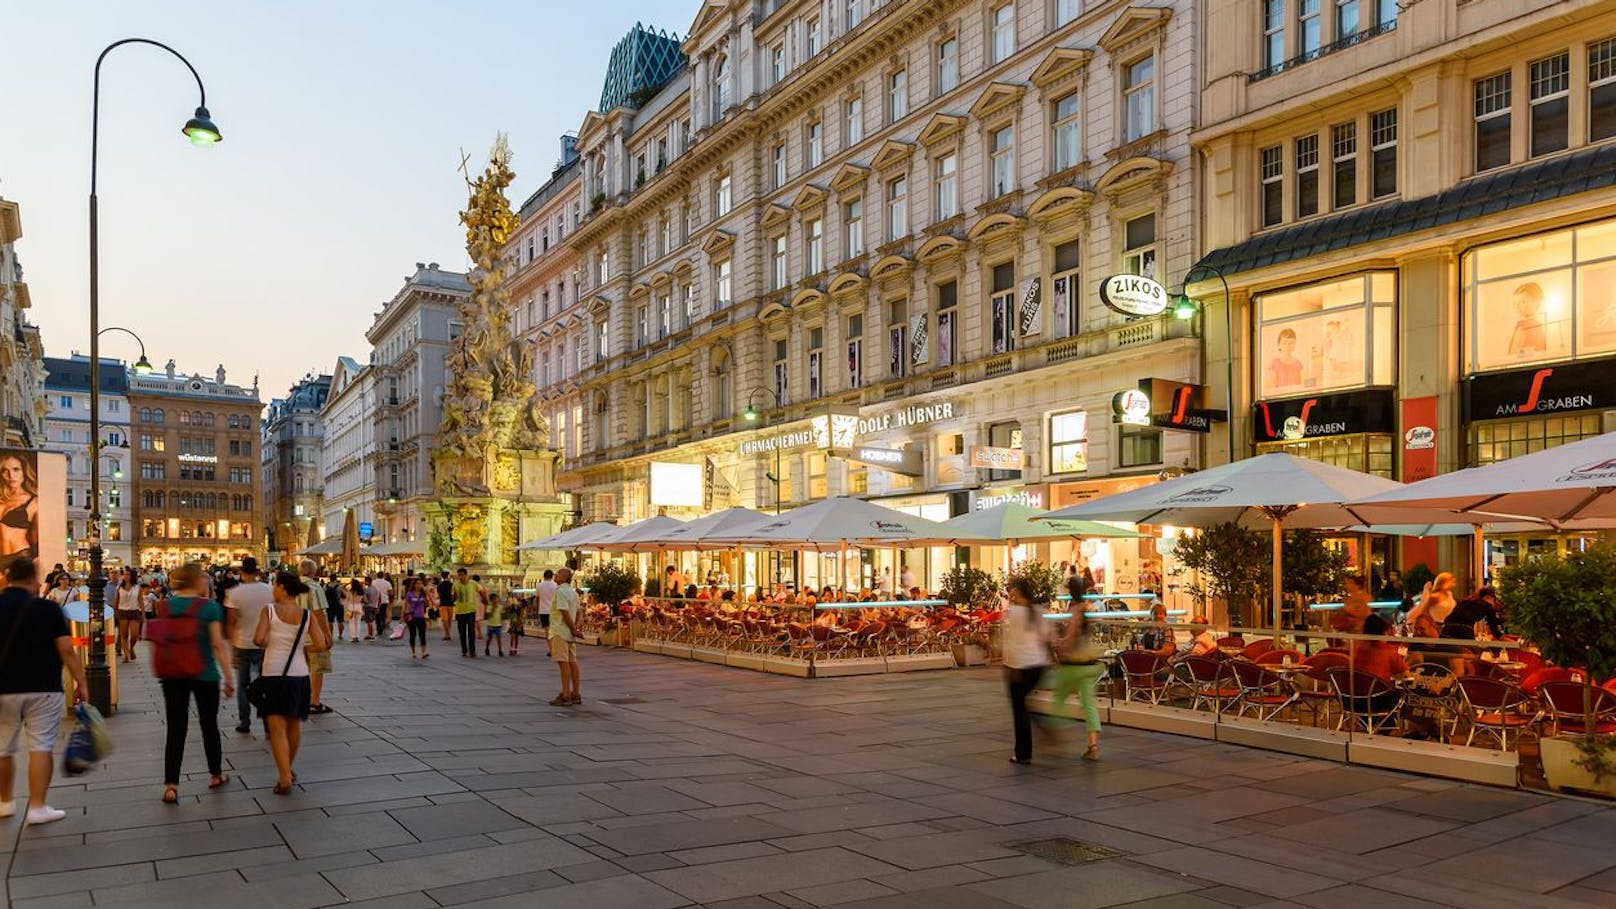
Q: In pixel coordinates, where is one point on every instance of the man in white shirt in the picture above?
(906, 580)
(243, 605)
(384, 602)
(546, 595)
(564, 618)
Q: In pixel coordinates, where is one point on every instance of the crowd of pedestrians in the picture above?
(267, 642)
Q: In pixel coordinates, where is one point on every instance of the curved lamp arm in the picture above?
(202, 118)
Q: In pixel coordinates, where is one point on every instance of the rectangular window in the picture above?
(855, 13)
(1386, 12)
(1551, 100)
(1138, 446)
(816, 245)
(1602, 89)
(855, 351)
(1309, 29)
(722, 196)
(1139, 96)
(947, 299)
(812, 30)
(779, 165)
(777, 64)
(664, 325)
(1492, 121)
(1002, 152)
(689, 310)
(897, 341)
(1002, 307)
(1344, 161)
(816, 144)
(721, 284)
(67, 402)
(1004, 33)
(1273, 34)
(1068, 442)
(1383, 153)
(1307, 176)
(1327, 336)
(1068, 131)
(948, 72)
(642, 325)
(1273, 185)
(853, 221)
(1064, 288)
(1346, 19)
(1065, 11)
(855, 120)
(1139, 257)
(897, 208)
(897, 96)
(781, 371)
(777, 274)
(947, 188)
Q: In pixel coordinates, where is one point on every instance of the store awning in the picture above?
(1512, 187)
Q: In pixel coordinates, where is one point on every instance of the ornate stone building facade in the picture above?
(904, 211)
(67, 430)
(349, 461)
(22, 354)
(291, 450)
(1412, 205)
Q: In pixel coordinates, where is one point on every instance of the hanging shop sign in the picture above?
(1130, 408)
(1179, 405)
(366, 530)
(911, 415)
(899, 461)
(986, 457)
(1133, 295)
(1371, 410)
(1589, 385)
(1419, 438)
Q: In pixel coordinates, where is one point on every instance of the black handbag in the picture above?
(266, 689)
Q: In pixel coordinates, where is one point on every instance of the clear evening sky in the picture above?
(342, 121)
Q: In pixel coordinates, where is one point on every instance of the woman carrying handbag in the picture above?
(284, 630)
(1081, 667)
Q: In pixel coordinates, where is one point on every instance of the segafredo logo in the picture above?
(889, 526)
(1599, 470)
(1202, 494)
(1419, 437)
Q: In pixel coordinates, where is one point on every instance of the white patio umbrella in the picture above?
(843, 521)
(1271, 491)
(704, 532)
(1013, 522)
(648, 535)
(1569, 487)
(567, 538)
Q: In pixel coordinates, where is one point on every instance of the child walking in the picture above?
(515, 614)
(494, 621)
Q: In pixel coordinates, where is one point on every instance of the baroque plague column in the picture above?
(494, 469)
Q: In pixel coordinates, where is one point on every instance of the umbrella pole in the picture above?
(1478, 558)
(842, 557)
(1279, 606)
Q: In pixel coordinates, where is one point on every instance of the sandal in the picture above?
(218, 781)
(171, 795)
(282, 790)
(1092, 754)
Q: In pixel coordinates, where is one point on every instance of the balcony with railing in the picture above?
(1353, 40)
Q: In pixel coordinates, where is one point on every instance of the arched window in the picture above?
(246, 504)
(721, 94)
(600, 430)
(207, 420)
(157, 415)
(185, 418)
(146, 499)
(212, 502)
(145, 415)
(158, 495)
(235, 422)
(196, 418)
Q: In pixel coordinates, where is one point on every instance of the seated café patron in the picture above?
(1159, 640)
(1378, 658)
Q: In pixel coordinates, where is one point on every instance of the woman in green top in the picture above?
(189, 598)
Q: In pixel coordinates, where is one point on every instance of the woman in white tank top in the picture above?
(284, 631)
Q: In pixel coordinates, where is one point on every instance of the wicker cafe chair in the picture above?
(1263, 691)
(1563, 701)
(1432, 690)
(1496, 709)
(1145, 675)
(1368, 700)
(1210, 682)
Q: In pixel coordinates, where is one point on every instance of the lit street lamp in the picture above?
(201, 130)
(1185, 308)
(751, 416)
(142, 365)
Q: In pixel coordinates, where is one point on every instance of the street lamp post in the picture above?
(1185, 308)
(202, 132)
(752, 417)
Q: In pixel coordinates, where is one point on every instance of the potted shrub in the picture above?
(1231, 564)
(967, 588)
(610, 584)
(1566, 605)
(1310, 570)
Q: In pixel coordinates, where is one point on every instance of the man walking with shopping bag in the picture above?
(35, 643)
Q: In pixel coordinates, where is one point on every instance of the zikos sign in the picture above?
(1133, 295)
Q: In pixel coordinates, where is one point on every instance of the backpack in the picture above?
(176, 641)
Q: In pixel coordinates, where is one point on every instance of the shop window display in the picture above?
(1542, 299)
(1328, 336)
(1068, 442)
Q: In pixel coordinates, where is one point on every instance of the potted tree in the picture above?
(609, 584)
(1231, 564)
(967, 588)
(1310, 570)
(1566, 605)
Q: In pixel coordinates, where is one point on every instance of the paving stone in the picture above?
(315, 836)
(462, 819)
(747, 877)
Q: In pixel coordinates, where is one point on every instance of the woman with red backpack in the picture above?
(188, 647)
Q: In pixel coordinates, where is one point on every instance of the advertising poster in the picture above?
(1524, 320)
(33, 518)
(1032, 314)
(1596, 309)
(919, 341)
(1316, 353)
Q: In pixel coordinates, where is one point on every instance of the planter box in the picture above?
(786, 666)
(969, 654)
(918, 661)
(590, 638)
(1455, 762)
(1176, 720)
(1289, 738)
(1560, 755)
(830, 669)
(741, 660)
(709, 655)
(647, 646)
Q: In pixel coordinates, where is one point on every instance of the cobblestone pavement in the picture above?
(453, 783)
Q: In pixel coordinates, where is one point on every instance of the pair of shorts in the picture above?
(319, 663)
(32, 718)
(563, 651)
(130, 615)
(496, 631)
(517, 631)
(369, 614)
